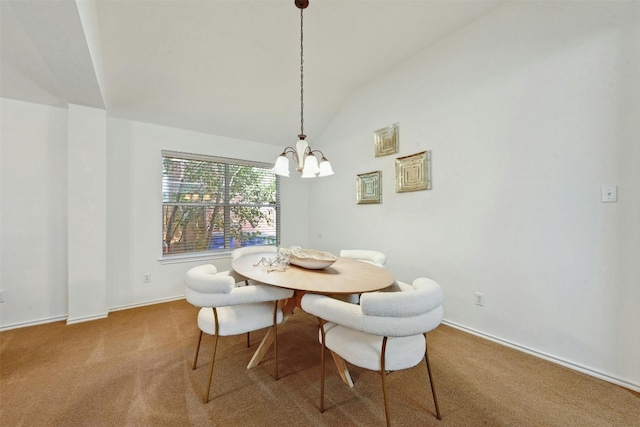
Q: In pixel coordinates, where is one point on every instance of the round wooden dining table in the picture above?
(345, 276)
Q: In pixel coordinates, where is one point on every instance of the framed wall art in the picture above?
(413, 172)
(386, 140)
(369, 189)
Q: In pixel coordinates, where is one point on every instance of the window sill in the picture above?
(176, 259)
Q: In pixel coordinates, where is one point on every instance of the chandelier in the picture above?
(302, 154)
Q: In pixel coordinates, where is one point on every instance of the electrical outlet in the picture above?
(479, 298)
(147, 277)
(1, 295)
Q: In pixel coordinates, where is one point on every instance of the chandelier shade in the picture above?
(325, 167)
(282, 166)
(311, 168)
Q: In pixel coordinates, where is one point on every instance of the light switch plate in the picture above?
(609, 193)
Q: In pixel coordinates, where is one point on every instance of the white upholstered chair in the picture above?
(228, 309)
(386, 332)
(246, 250)
(366, 255)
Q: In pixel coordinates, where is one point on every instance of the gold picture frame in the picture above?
(386, 140)
(413, 172)
(369, 188)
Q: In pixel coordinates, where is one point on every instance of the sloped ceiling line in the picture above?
(227, 67)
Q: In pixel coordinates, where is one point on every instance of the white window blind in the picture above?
(213, 204)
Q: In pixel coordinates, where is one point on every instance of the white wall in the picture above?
(33, 206)
(135, 200)
(527, 112)
(45, 275)
(87, 213)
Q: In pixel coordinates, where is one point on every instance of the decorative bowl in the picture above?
(311, 258)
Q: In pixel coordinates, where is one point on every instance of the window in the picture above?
(213, 204)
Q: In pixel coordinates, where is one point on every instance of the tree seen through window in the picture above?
(214, 205)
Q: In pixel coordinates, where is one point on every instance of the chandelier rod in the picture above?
(302, 135)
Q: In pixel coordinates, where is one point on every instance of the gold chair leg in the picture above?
(275, 335)
(213, 355)
(383, 373)
(322, 355)
(246, 283)
(433, 389)
(195, 359)
(213, 359)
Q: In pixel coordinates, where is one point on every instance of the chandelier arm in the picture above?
(289, 150)
(317, 151)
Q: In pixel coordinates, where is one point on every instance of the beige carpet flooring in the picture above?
(133, 369)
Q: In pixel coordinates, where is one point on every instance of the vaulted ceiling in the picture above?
(228, 67)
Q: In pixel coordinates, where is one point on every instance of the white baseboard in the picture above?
(548, 357)
(42, 321)
(144, 304)
(71, 321)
